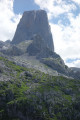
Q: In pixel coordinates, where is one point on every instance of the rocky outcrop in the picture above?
(42, 52)
(4, 45)
(56, 63)
(36, 46)
(34, 22)
(12, 51)
(39, 49)
(1, 44)
(75, 72)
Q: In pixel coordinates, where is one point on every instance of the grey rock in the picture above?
(12, 51)
(75, 73)
(7, 42)
(1, 44)
(39, 49)
(56, 63)
(75, 69)
(34, 22)
(36, 46)
(42, 52)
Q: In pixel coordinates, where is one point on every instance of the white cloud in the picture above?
(75, 63)
(8, 20)
(76, 1)
(66, 37)
(55, 7)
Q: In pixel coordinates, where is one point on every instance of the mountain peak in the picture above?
(34, 22)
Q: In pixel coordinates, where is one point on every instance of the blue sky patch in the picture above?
(69, 60)
(63, 19)
(24, 5)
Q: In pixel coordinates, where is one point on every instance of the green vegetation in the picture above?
(36, 95)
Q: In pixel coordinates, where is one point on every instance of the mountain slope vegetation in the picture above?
(34, 95)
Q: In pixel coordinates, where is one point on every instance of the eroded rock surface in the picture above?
(34, 22)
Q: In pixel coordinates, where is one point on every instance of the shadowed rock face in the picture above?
(39, 49)
(34, 22)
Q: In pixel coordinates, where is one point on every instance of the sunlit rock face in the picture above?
(34, 22)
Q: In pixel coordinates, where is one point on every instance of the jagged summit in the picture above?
(34, 22)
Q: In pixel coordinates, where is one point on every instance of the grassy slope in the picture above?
(37, 95)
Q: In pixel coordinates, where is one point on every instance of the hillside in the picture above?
(33, 95)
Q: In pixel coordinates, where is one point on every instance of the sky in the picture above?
(64, 19)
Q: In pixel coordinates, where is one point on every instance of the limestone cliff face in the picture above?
(34, 22)
(39, 49)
